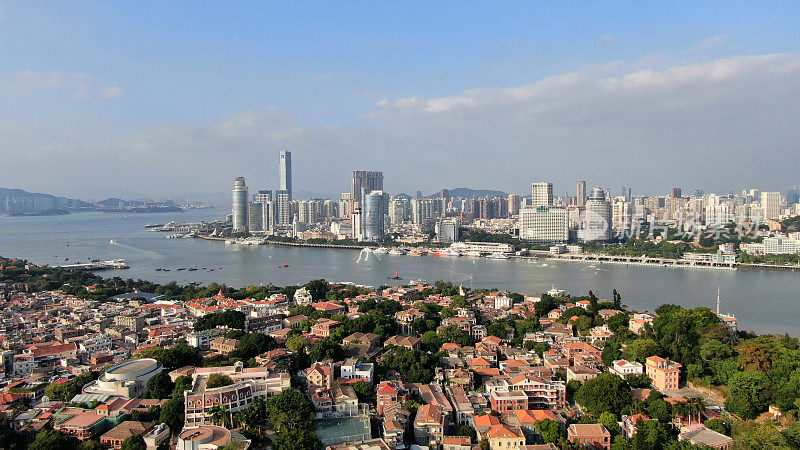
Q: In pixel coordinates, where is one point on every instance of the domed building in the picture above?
(128, 379)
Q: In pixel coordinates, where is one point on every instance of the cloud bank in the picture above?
(717, 125)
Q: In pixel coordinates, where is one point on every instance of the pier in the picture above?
(637, 260)
(104, 265)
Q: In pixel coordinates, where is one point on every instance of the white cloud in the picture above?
(112, 92)
(718, 125)
(709, 43)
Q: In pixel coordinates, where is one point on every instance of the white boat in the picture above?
(397, 251)
(452, 253)
(112, 242)
(472, 253)
(381, 251)
(498, 255)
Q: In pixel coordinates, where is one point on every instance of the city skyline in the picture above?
(615, 102)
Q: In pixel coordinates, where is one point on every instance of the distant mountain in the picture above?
(19, 201)
(470, 193)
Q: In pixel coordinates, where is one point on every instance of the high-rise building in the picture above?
(544, 224)
(513, 204)
(255, 220)
(792, 196)
(364, 180)
(676, 192)
(284, 207)
(448, 230)
(771, 202)
(542, 194)
(239, 206)
(596, 222)
(581, 195)
(285, 169)
(372, 216)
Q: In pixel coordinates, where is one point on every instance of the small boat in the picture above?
(416, 252)
(472, 253)
(66, 259)
(110, 242)
(285, 264)
(397, 251)
(440, 253)
(498, 255)
(396, 275)
(181, 268)
(381, 251)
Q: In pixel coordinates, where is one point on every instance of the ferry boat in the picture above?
(472, 253)
(397, 251)
(498, 255)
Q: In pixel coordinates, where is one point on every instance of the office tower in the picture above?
(448, 230)
(263, 196)
(364, 180)
(581, 196)
(372, 216)
(771, 202)
(698, 193)
(284, 207)
(285, 169)
(627, 194)
(542, 194)
(792, 196)
(544, 224)
(621, 214)
(676, 192)
(255, 220)
(239, 207)
(596, 223)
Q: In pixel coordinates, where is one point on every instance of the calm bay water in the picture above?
(765, 301)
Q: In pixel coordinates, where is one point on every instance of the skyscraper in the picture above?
(596, 223)
(542, 194)
(676, 192)
(581, 196)
(771, 202)
(372, 215)
(284, 210)
(286, 172)
(239, 207)
(364, 180)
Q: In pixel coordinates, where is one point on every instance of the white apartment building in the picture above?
(542, 194)
(771, 202)
(544, 224)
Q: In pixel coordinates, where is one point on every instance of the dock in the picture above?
(103, 265)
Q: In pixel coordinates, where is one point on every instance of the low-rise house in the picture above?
(353, 369)
(456, 443)
(410, 342)
(319, 376)
(429, 425)
(504, 437)
(323, 327)
(589, 435)
(114, 437)
(624, 368)
(698, 434)
(223, 345)
(581, 373)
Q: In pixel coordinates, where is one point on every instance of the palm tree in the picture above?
(698, 406)
(681, 410)
(218, 415)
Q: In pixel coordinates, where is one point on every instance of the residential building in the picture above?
(624, 368)
(665, 374)
(542, 194)
(589, 435)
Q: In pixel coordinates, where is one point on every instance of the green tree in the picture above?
(650, 435)
(295, 343)
(549, 430)
(135, 442)
(216, 380)
(317, 289)
(182, 383)
(660, 410)
(606, 392)
(53, 440)
(364, 390)
(467, 431)
(756, 355)
(252, 345)
(610, 421)
(748, 394)
(638, 381)
(160, 386)
(290, 410)
(172, 413)
(640, 349)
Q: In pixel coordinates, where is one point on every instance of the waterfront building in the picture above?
(542, 194)
(364, 180)
(255, 221)
(596, 220)
(448, 230)
(240, 205)
(399, 210)
(372, 216)
(545, 224)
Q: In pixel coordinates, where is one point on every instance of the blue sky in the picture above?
(107, 89)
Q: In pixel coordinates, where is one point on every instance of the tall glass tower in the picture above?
(286, 172)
